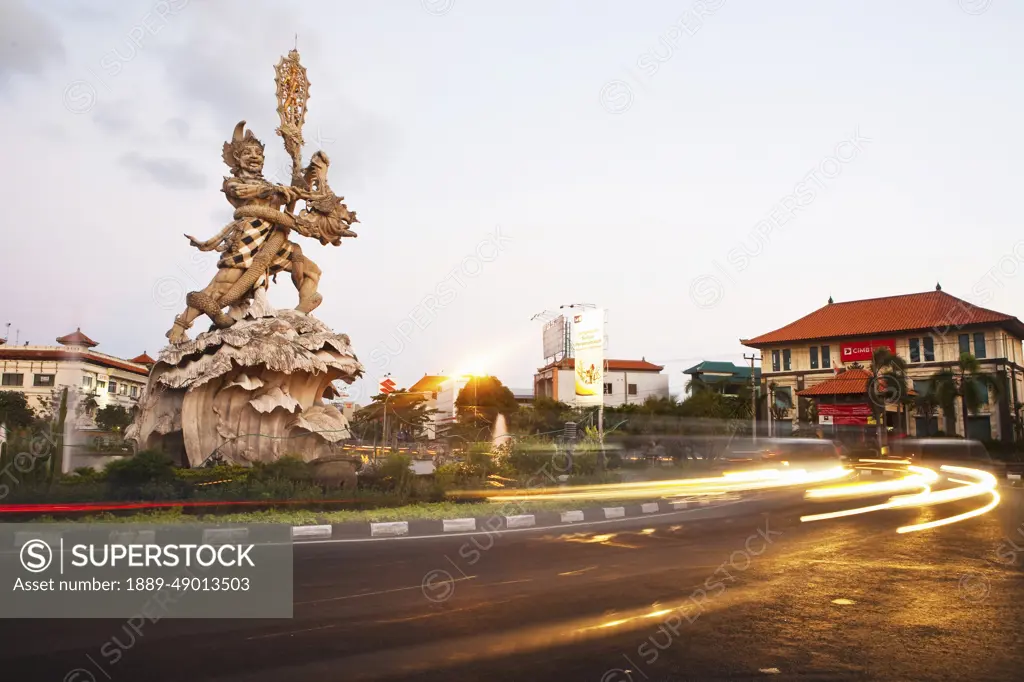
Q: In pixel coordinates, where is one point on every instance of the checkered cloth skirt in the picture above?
(250, 235)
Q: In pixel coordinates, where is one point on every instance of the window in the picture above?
(607, 389)
(981, 390)
(783, 397)
(101, 384)
(43, 380)
(814, 357)
(965, 343)
(979, 427)
(87, 382)
(631, 389)
(13, 379)
(112, 387)
(929, 349)
(826, 357)
(926, 426)
(786, 356)
(915, 350)
(922, 386)
(135, 391)
(122, 389)
(979, 345)
(775, 361)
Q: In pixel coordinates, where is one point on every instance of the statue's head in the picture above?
(244, 152)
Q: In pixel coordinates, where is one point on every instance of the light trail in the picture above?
(923, 478)
(729, 482)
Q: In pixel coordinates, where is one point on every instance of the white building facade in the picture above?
(626, 382)
(37, 371)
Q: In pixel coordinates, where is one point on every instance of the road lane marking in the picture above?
(580, 571)
(290, 632)
(373, 594)
(509, 582)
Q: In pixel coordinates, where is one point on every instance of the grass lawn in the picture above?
(299, 517)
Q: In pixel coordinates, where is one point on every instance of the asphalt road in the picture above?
(761, 596)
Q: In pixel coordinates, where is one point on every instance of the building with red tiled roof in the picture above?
(928, 330)
(37, 371)
(143, 359)
(76, 338)
(625, 381)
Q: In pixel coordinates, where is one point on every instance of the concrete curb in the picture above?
(502, 522)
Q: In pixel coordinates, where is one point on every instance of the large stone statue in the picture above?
(252, 387)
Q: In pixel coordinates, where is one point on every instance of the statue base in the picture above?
(253, 392)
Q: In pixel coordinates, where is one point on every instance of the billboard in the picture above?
(554, 338)
(864, 350)
(588, 349)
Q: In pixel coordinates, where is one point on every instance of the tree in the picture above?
(887, 385)
(964, 382)
(407, 414)
(545, 417)
(695, 385)
(482, 399)
(926, 404)
(113, 418)
(15, 411)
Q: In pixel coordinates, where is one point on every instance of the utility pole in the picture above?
(753, 396)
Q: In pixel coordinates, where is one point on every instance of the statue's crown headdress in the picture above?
(239, 139)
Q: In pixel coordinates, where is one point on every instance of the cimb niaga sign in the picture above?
(864, 350)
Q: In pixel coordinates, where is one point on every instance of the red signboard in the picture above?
(863, 350)
(846, 413)
(844, 409)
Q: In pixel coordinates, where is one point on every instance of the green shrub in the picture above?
(288, 468)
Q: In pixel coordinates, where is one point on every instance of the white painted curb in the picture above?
(300, 532)
(614, 512)
(389, 528)
(676, 506)
(459, 525)
(704, 501)
(1013, 477)
(51, 539)
(649, 507)
(133, 537)
(520, 521)
(220, 536)
(572, 516)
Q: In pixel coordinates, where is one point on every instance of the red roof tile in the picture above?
(612, 365)
(851, 382)
(931, 310)
(845, 383)
(429, 382)
(76, 338)
(14, 353)
(143, 359)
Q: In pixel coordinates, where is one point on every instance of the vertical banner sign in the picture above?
(588, 343)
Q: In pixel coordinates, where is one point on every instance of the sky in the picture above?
(705, 171)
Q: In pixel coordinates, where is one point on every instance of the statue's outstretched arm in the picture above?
(212, 243)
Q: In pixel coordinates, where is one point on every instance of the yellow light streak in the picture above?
(953, 519)
(923, 477)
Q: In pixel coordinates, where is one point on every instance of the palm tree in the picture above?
(888, 384)
(695, 384)
(926, 404)
(964, 382)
